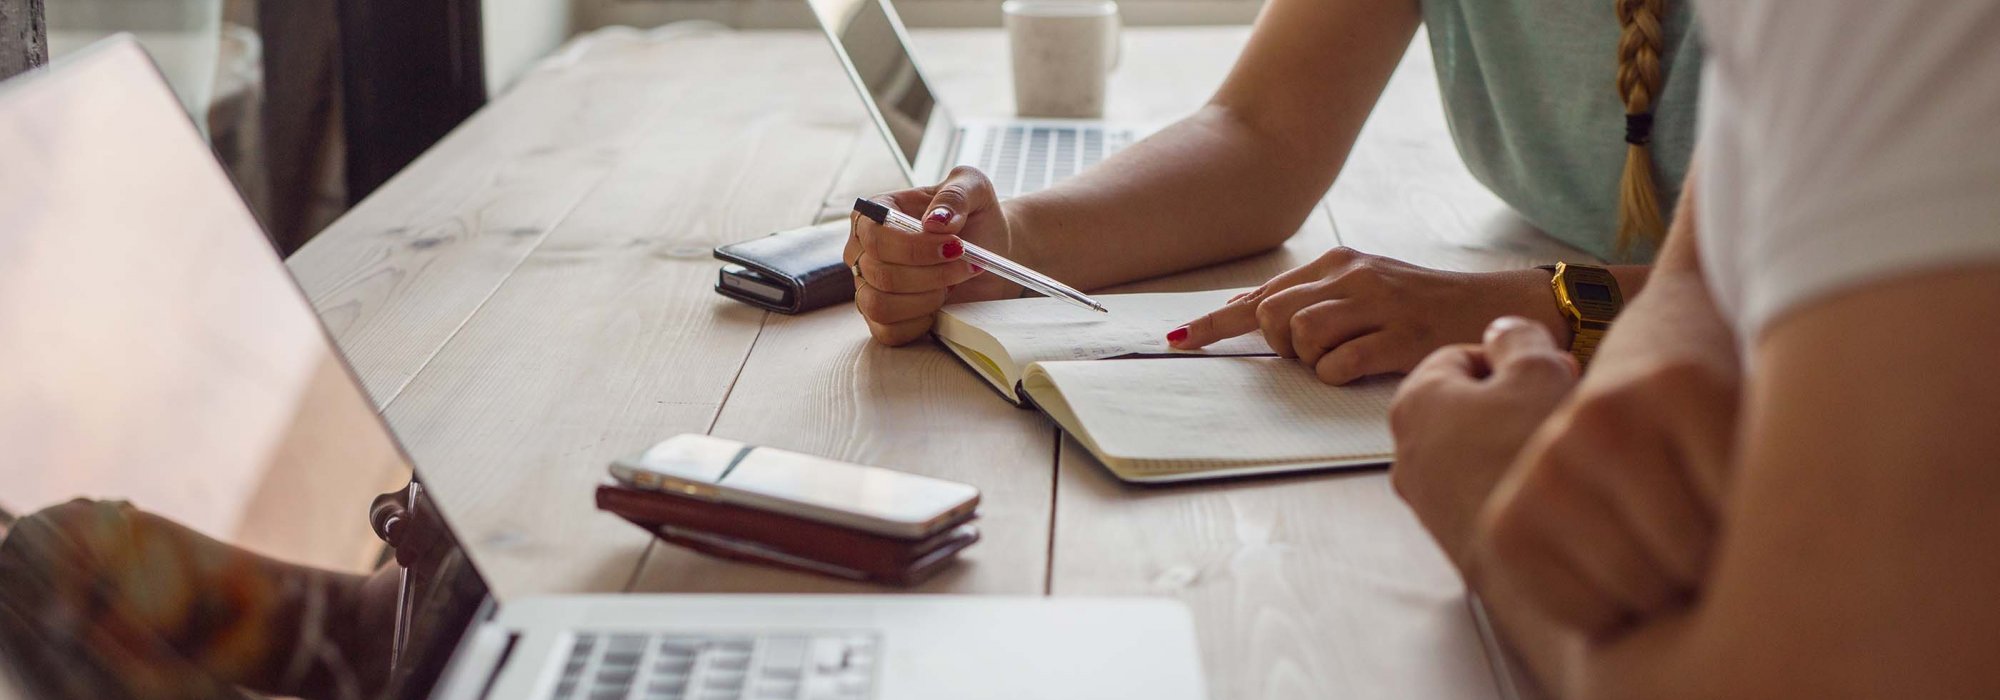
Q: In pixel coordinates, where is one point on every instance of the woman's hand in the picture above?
(1462, 416)
(904, 278)
(1350, 315)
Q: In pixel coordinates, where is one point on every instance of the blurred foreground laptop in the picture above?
(155, 349)
(1018, 155)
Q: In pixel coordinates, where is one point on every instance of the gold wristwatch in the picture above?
(1588, 296)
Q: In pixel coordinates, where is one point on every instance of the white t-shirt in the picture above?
(1844, 142)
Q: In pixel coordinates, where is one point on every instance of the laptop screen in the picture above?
(871, 36)
(191, 467)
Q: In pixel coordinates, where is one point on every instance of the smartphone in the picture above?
(868, 499)
(748, 281)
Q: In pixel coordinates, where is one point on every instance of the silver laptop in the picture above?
(157, 349)
(1018, 155)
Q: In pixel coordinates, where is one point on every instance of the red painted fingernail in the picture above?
(941, 215)
(952, 250)
(1177, 335)
(975, 268)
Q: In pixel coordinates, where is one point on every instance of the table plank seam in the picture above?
(1332, 221)
(1055, 492)
(639, 569)
(382, 404)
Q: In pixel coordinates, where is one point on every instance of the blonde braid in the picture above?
(1639, 78)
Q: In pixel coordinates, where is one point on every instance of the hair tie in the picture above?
(1639, 128)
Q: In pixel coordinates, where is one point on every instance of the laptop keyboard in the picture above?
(816, 666)
(1022, 159)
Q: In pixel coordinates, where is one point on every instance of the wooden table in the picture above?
(532, 299)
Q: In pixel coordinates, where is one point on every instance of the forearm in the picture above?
(1858, 559)
(1240, 175)
(1206, 189)
(1672, 321)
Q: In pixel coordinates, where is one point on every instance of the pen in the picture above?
(992, 262)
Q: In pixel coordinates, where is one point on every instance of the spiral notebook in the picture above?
(1151, 413)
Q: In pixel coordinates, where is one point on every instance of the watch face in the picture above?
(1592, 292)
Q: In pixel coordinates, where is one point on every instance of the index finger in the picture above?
(1518, 346)
(1233, 319)
(894, 245)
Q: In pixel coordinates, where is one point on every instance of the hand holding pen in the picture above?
(908, 268)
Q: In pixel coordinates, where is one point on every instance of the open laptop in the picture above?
(157, 350)
(1018, 155)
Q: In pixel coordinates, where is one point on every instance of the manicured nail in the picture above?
(975, 268)
(952, 250)
(940, 215)
(1177, 335)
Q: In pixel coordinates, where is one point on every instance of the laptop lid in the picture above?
(874, 49)
(158, 352)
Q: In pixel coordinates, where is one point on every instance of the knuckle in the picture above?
(1338, 367)
(951, 194)
(1541, 366)
(1270, 315)
(873, 305)
(853, 247)
(1202, 327)
(877, 276)
(882, 334)
(965, 172)
(900, 248)
(1360, 276)
(1304, 328)
(970, 180)
(1340, 255)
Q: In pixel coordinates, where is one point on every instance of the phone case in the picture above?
(916, 572)
(805, 261)
(773, 538)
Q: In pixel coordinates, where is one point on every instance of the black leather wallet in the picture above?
(789, 271)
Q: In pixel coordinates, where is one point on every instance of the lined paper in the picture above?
(1042, 329)
(1217, 412)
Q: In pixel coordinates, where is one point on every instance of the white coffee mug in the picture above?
(1063, 53)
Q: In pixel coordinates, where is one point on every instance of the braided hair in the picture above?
(1639, 79)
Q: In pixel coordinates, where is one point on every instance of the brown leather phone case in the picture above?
(747, 534)
(913, 573)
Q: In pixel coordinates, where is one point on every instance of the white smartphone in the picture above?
(869, 499)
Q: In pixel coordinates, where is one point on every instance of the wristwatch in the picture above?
(1588, 296)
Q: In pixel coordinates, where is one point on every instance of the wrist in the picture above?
(1018, 245)
(1535, 299)
(1019, 242)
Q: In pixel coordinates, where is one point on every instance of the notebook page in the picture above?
(1042, 329)
(1219, 411)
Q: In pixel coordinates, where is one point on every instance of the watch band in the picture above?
(1583, 344)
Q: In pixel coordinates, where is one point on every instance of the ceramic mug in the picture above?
(1064, 50)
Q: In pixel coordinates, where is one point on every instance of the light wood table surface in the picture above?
(532, 299)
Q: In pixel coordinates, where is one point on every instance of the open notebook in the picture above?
(1151, 413)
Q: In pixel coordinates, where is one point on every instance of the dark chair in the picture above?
(24, 37)
(407, 72)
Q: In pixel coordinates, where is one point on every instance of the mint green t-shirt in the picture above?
(1530, 92)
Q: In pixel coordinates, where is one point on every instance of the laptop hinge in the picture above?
(476, 667)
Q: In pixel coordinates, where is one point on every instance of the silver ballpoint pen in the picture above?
(989, 260)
